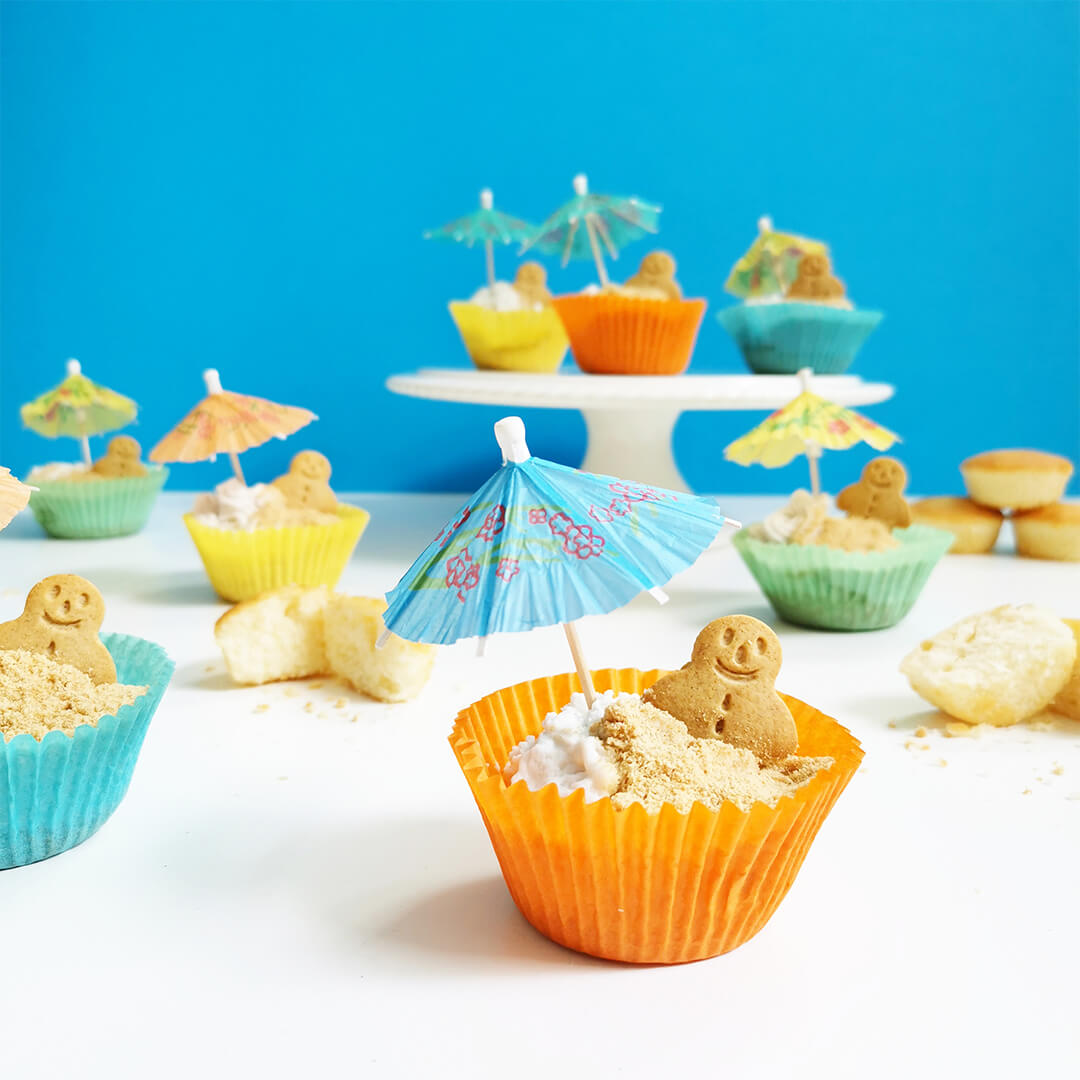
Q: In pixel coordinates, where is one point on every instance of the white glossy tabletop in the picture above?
(308, 891)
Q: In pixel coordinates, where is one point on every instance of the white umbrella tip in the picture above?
(764, 224)
(74, 367)
(487, 199)
(212, 378)
(510, 434)
(581, 184)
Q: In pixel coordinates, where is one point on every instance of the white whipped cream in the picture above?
(565, 754)
(781, 525)
(502, 296)
(233, 505)
(57, 470)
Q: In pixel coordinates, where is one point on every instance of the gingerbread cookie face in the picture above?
(814, 280)
(122, 458)
(531, 283)
(306, 486)
(879, 494)
(727, 690)
(657, 272)
(61, 619)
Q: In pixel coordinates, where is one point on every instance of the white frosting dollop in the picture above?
(233, 505)
(565, 754)
(781, 525)
(502, 296)
(57, 470)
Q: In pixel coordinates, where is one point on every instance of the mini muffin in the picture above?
(975, 528)
(1068, 700)
(998, 667)
(1016, 479)
(1051, 532)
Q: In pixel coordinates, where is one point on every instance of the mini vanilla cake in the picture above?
(295, 632)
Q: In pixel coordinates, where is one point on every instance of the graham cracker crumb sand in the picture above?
(660, 762)
(920, 733)
(38, 695)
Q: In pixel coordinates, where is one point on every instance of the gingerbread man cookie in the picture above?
(121, 459)
(657, 273)
(306, 486)
(61, 620)
(727, 689)
(531, 283)
(814, 280)
(878, 494)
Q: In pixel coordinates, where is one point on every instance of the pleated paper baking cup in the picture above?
(511, 340)
(828, 589)
(93, 509)
(622, 335)
(780, 339)
(627, 885)
(57, 792)
(241, 564)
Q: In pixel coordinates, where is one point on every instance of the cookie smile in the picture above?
(60, 622)
(733, 673)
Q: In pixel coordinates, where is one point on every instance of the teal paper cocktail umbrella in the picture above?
(486, 226)
(542, 544)
(573, 231)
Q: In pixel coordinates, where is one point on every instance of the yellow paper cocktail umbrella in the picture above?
(14, 495)
(225, 422)
(78, 408)
(807, 425)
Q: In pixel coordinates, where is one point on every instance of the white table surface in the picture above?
(289, 893)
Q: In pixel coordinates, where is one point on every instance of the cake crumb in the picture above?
(209, 667)
(261, 707)
(316, 685)
(39, 695)
(660, 762)
(290, 691)
(920, 733)
(353, 719)
(892, 723)
(340, 703)
(1058, 769)
(1026, 791)
(309, 706)
(942, 762)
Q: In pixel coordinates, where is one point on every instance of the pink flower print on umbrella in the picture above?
(462, 574)
(580, 540)
(449, 530)
(603, 514)
(635, 494)
(559, 523)
(839, 427)
(494, 524)
(537, 515)
(506, 569)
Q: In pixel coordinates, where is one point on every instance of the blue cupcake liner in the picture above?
(94, 509)
(780, 339)
(57, 792)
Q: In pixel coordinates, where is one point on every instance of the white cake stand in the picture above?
(630, 419)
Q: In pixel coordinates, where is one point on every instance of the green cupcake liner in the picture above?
(827, 589)
(93, 509)
(56, 793)
(781, 339)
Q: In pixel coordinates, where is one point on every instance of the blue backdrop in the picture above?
(244, 185)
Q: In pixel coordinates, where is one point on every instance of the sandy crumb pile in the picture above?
(38, 695)
(660, 762)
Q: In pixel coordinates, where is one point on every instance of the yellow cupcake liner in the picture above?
(242, 564)
(511, 340)
(627, 885)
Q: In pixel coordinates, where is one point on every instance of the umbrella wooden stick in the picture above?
(572, 639)
(213, 386)
(597, 255)
(75, 368)
(813, 451)
(487, 201)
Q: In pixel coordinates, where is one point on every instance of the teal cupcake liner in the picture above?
(827, 589)
(57, 792)
(92, 509)
(781, 339)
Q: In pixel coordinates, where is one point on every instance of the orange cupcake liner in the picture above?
(623, 335)
(626, 885)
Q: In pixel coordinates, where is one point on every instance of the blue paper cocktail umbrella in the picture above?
(541, 544)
